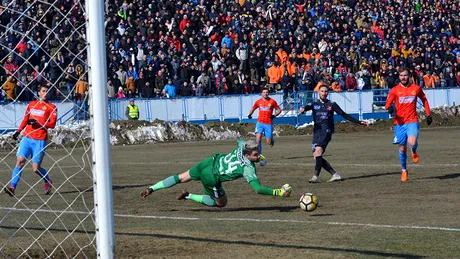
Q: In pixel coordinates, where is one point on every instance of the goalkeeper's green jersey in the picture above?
(229, 167)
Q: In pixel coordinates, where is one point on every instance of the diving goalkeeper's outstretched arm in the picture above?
(284, 191)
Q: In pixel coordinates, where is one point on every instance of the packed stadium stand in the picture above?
(165, 49)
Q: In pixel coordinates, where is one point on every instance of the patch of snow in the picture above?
(305, 125)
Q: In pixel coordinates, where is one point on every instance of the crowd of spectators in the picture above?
(162, 48)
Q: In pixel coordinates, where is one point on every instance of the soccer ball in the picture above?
(308, 202)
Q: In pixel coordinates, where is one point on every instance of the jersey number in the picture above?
(231, 165)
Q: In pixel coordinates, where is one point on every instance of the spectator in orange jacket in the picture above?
(274, 74)
(283, 56)
(428, 80)
(81, 88)
(437, 80)
(131, 86)
(9, 86)
(335, 86)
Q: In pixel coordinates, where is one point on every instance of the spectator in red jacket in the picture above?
(351, 83)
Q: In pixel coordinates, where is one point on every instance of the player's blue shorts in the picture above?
(32, 147)
(266, 129)
(405, 130)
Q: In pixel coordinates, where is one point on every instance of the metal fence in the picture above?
(231, 108)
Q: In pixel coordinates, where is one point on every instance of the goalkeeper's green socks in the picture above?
(203, 199)
(173, 180)
(166, 183)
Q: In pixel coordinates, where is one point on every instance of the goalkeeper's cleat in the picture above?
(314, 179)
(146, 193)
(9, 190)
(183, 195)
(48, 188)
(415, 157)
(263, 161)
(335, 177)
(404, 176)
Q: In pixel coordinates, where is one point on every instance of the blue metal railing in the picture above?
(77, 114)
(380, 96)
(297, 100)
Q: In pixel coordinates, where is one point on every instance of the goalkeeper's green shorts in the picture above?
(203, 171)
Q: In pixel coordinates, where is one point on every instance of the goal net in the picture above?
(44, 43)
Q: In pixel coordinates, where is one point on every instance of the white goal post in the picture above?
(103, 201)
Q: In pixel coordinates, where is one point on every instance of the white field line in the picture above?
(368, 225)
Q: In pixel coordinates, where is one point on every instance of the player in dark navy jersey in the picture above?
(323, 117)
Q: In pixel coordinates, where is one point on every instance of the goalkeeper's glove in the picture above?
(16, 135)
(249, 116)
(429, 120)
(146, 193)
(284, 191)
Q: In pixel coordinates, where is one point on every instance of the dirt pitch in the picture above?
(369, 215)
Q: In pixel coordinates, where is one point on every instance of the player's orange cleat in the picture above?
(404, 176)
(415, 158)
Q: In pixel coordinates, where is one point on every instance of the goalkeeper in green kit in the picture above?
(218, 168)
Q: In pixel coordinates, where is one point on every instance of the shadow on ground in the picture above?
(371, 175)
(322, 215)
(309, 157)
(272, 208)
(442, 177)
(114, 188)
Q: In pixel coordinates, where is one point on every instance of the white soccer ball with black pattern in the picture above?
(308, 202)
